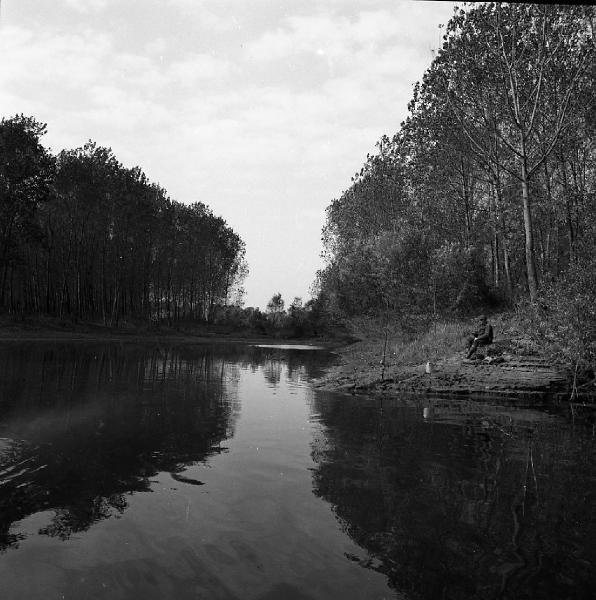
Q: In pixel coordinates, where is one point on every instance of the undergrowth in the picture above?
(417, 340)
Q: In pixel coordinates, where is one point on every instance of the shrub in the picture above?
(563, 321)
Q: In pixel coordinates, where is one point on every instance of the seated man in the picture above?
(483, 336)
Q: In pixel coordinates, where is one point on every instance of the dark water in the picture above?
(218, 472)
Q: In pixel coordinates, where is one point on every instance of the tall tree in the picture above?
(498, 64)
(26, 171)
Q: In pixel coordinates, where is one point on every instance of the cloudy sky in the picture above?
(261, 109)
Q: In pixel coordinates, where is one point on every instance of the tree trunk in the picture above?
(495, 237)
(530, 262)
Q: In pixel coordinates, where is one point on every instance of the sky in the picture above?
(263, 110)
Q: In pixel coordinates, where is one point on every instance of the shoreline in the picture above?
(34, 332)
(501, 374)
(505, 373)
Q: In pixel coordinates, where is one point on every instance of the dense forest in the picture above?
(83, 237)
(487, 188)
(485, 196)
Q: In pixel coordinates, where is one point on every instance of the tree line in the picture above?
(486, 193)
(83, 236)
(299, 320)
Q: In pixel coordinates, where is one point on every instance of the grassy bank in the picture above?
(413, 341)
(391, 354)
(406, 342)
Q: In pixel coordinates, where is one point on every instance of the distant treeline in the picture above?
(82, 236)
(486, 193)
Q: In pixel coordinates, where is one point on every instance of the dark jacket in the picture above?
(484, 332)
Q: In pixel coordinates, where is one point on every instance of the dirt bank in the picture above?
(505, 369)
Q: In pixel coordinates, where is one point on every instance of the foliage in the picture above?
(26, 174)
(486, 193)
(85, 237)
(276, 304)
(460, 278)
(563, 322)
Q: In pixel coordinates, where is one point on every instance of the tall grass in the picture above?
(430, 345)
(415, 340)
(410, 341)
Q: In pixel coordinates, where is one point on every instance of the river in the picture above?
(218, 471)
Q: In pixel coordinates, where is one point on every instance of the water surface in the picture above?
(216, 471)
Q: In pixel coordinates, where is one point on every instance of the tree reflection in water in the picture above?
(84, 426)
(467, 503)
(295, 365)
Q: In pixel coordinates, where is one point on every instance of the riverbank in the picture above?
(415, 359)
(433, 362)
(48, 329)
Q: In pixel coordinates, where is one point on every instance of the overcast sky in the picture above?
(263, 110)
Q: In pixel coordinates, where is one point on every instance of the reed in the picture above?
(430, 346)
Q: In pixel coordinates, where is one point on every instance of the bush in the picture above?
(460, 279)
(563, 321)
